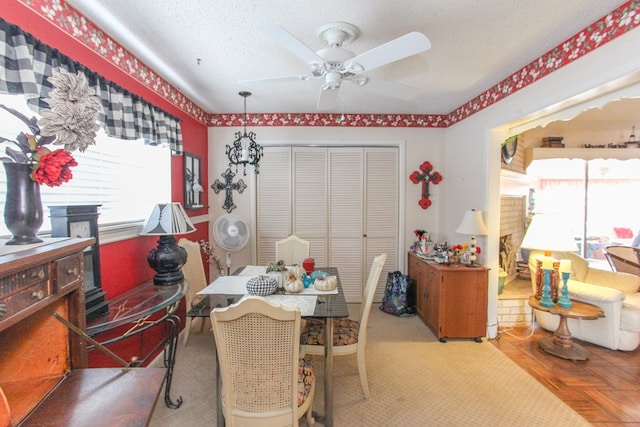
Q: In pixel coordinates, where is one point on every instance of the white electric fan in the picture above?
(231, 233)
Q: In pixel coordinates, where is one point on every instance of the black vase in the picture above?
(23, 206)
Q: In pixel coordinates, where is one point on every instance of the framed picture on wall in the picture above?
(192, 181)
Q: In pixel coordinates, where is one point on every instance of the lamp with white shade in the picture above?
(548, 234)
(472, 224)
(167, 259)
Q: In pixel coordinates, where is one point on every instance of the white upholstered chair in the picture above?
(264, 381)
(292, 250)
(195, 278)
(349, 335)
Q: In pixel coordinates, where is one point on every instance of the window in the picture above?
(598, 196)
(126, 177)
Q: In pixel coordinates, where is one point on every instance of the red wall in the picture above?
(124, 263)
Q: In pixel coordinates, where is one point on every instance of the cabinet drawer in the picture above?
(16, 282)
(21, 300)
(69, 271)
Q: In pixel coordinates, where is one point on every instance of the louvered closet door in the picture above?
(310, 211)
(381, 211)
(273, 201)
(346, 225)
(344, 200)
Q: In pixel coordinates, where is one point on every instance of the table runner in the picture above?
(237, 285)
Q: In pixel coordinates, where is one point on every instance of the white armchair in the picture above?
(615, 292)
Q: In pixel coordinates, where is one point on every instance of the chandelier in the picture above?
(245, 150)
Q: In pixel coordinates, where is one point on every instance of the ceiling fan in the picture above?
(335, 64)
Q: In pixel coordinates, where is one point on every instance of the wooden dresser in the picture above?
(451, 301)
(42, 363)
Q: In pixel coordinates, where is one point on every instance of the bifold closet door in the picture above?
(344, 200)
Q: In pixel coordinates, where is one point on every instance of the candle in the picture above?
(565, 266)
(547, 263)
(245, 155)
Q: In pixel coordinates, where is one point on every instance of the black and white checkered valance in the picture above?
(26, 64)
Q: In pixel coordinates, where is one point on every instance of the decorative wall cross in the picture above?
(425, 177)
(228, 186)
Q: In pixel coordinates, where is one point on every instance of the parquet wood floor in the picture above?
(605, 389)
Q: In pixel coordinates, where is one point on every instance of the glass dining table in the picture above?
(328, 306)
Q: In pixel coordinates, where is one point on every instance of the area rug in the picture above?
(414, 380)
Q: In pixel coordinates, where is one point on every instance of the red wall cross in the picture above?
(425, 177)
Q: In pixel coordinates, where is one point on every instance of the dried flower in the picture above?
(71, 122)
(72, 117)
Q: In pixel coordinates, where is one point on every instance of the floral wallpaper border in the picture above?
(619, 21)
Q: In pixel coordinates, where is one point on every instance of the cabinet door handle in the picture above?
(37, 295)
(3, 309)
(72, 271)
(38, 275)
(426, 293)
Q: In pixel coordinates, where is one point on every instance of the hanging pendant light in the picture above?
(245, 150)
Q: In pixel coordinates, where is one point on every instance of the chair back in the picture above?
(193, 270)
(623, 259)
(369, 292)
(292, 250)
(258, 350)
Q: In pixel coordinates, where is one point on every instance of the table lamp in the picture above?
(472, 224)
(167, 259)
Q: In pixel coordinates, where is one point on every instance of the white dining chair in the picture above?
(264, 381)
(195, 279)
(349, 335)
(292, 250)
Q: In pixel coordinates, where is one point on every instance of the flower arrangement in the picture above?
(422, 237)
(207, 249)
(71, 122)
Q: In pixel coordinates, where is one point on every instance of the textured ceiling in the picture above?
(205, 47)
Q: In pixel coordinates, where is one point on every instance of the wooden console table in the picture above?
(561, 344)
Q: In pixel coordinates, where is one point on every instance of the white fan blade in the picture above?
(328, 99)
(397, 90)
(286, 39)
(395, 50)
(281, 79)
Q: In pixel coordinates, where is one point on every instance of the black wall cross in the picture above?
(228, 186)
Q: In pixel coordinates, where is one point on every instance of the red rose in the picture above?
(53, 167)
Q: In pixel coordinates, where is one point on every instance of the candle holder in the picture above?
(555, 281)
(564, 300)
(546, 300)
(539, 276)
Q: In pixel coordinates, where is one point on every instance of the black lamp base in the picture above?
(167, 260)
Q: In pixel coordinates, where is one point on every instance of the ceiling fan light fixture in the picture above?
(332, 80)
(245, 150)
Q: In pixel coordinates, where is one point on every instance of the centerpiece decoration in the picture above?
(71, 123)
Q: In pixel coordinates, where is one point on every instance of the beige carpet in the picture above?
(414, 380)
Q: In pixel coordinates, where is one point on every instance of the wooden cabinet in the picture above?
(451, 301)
(43, 380)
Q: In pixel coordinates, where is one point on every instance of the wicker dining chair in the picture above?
(625, 259)
(195, 279)
(264, 381)
(349, 335)
(292, 250)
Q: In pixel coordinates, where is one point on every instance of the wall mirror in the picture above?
(192, 181)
